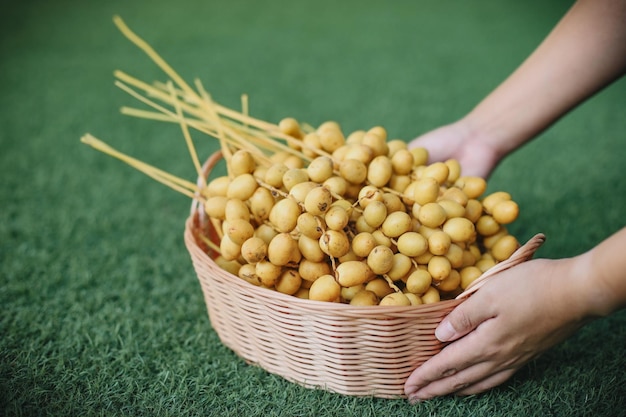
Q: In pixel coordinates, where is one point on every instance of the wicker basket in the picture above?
(358, 351)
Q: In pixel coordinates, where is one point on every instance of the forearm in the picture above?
(602, 272)
(585, 52)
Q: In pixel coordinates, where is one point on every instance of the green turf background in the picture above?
(100, 310)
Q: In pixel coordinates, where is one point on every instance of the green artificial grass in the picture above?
(101, 312)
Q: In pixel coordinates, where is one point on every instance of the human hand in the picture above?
(458, 141)
(512, 319)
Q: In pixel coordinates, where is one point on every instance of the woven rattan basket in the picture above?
(359, 351)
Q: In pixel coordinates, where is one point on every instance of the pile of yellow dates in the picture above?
(370, 222)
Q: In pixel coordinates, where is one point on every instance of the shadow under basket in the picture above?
(350, 350)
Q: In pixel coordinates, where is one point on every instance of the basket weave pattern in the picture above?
(345, 349)
(358, 351)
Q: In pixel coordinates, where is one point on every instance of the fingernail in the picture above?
(444, 331)
(414, 399)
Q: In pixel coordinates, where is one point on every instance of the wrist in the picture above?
(487, 134)
(606, 273)
(589, 289)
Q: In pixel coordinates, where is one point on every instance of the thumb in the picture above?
(462, 320)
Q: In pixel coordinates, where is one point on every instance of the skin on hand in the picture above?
(458, 141)
(510, 321)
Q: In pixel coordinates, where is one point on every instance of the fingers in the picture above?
(467, 382)
(460, 368)
(456, 356)
(445, 366)
(457, 368)
(440, 143)
(487, 383)
(463, 319)
(458, 141)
